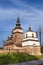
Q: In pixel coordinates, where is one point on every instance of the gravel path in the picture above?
(30, 62)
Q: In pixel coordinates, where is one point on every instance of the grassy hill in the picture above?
(10, 58)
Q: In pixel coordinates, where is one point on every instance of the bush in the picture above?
(41, 49)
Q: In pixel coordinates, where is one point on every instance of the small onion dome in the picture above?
(30, 29)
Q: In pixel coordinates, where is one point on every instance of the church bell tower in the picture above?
(18, 33)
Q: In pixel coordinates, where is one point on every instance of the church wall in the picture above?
(29, 34)
(36, 50)
(12, 50)
(30, 38)
(10, 46)
(13, 38)
(18, 30)
(29, 49)
(17, 38)
(33, 50)
(25, 43)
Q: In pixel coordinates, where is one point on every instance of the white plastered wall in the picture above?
(33, 43)
(17, 30)
(29, 34)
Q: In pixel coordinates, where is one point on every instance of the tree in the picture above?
(3, 42)
(40, 35)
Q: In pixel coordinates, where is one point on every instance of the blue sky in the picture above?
(30, 13)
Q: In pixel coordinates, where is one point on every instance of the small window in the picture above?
(32, 35)
(26, 36)
(34, 44)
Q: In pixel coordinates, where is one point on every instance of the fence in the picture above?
(12, 50)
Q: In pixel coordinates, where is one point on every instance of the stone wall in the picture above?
(9, 46)
(12, 50)
(36, 50)
(29, 50)
(33, 50)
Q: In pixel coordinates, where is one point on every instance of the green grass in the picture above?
(40, 57)
(16, 58)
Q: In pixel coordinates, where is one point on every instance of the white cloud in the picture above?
(13, 13)
(27, 13)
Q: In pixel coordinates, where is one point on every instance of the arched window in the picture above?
(26, 36)
(32, 35)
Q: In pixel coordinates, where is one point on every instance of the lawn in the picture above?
(40, 57)
(10, 58)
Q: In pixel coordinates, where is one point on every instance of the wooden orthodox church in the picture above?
(23, 42)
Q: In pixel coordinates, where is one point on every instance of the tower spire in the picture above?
(18, 22)
(17, 33)
(18, 25)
